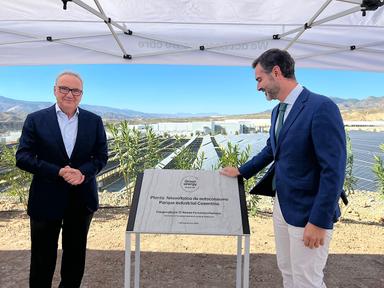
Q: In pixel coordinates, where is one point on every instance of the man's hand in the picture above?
(71, 175)
(313, 236)
(64, 170)
(230, 171)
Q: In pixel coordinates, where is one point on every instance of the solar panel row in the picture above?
(364, 146)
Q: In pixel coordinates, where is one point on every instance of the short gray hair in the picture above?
(68, 73)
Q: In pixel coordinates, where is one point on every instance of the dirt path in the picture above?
(356, 254)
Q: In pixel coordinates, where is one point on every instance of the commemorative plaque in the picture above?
(188, 202)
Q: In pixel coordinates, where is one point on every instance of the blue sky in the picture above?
(176, 88)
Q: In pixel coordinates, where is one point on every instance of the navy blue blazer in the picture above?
(42, 152)
(309, 161)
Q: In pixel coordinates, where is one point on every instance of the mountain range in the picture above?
(355, 104)
(17, 110)
(11, 110)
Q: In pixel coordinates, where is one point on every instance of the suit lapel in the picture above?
(53, 125)
(295, 111)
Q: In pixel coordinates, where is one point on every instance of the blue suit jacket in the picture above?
(42, 152)
(309, 162)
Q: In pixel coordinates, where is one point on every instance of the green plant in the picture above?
(378, 169)
(350, 181)
(198, 163)
(186, 159)
(14, 179)
(151, 150)
(231, 156)
(134, 150)
(125, 145)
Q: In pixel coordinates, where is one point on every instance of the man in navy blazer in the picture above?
(307, 150)
(64, 147)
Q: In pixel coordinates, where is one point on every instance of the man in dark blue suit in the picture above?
(307, 147)
(64, 147)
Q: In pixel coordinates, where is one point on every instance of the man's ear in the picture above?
(276, 71)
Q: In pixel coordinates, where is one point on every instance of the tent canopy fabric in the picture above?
(330, 34)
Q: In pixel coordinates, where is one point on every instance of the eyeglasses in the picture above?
(66, 90)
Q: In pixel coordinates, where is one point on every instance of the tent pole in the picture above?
(111, 28)
(101, 16)
(38, 38)
(327, 19)
(117, 25)
(358, 2)
(308, 24)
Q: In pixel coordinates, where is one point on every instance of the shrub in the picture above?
(15, 180)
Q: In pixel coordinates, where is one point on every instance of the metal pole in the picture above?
(239, 262)
(246, 262)
(111, 28)
(326, 19)
(119, 26)
(137, 261)
(309, 23)
(127, 271)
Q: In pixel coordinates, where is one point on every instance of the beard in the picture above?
(272, 92)
(268, 96)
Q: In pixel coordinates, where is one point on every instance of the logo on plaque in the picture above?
(190, 184)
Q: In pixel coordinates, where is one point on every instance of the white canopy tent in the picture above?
(332, 34)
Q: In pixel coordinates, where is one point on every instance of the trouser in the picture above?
(300, 266)
(44, 243)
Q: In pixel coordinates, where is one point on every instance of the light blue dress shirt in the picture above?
(291, 99)
(68, 128)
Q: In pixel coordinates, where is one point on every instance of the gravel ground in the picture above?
(356, 253)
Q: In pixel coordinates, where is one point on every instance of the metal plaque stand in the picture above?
(242, 266)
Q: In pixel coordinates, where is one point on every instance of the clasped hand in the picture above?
(71, 175)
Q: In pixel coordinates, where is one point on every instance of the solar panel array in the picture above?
(364, 146)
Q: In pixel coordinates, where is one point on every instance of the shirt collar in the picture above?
(58, 110)
(291, 98)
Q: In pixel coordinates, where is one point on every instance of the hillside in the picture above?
(368, 109)
(11, 110)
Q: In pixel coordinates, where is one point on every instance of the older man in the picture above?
(64, 147)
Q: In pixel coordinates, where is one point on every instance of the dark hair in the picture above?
(281, 58)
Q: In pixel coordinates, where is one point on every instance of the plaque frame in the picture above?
(242, 263)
